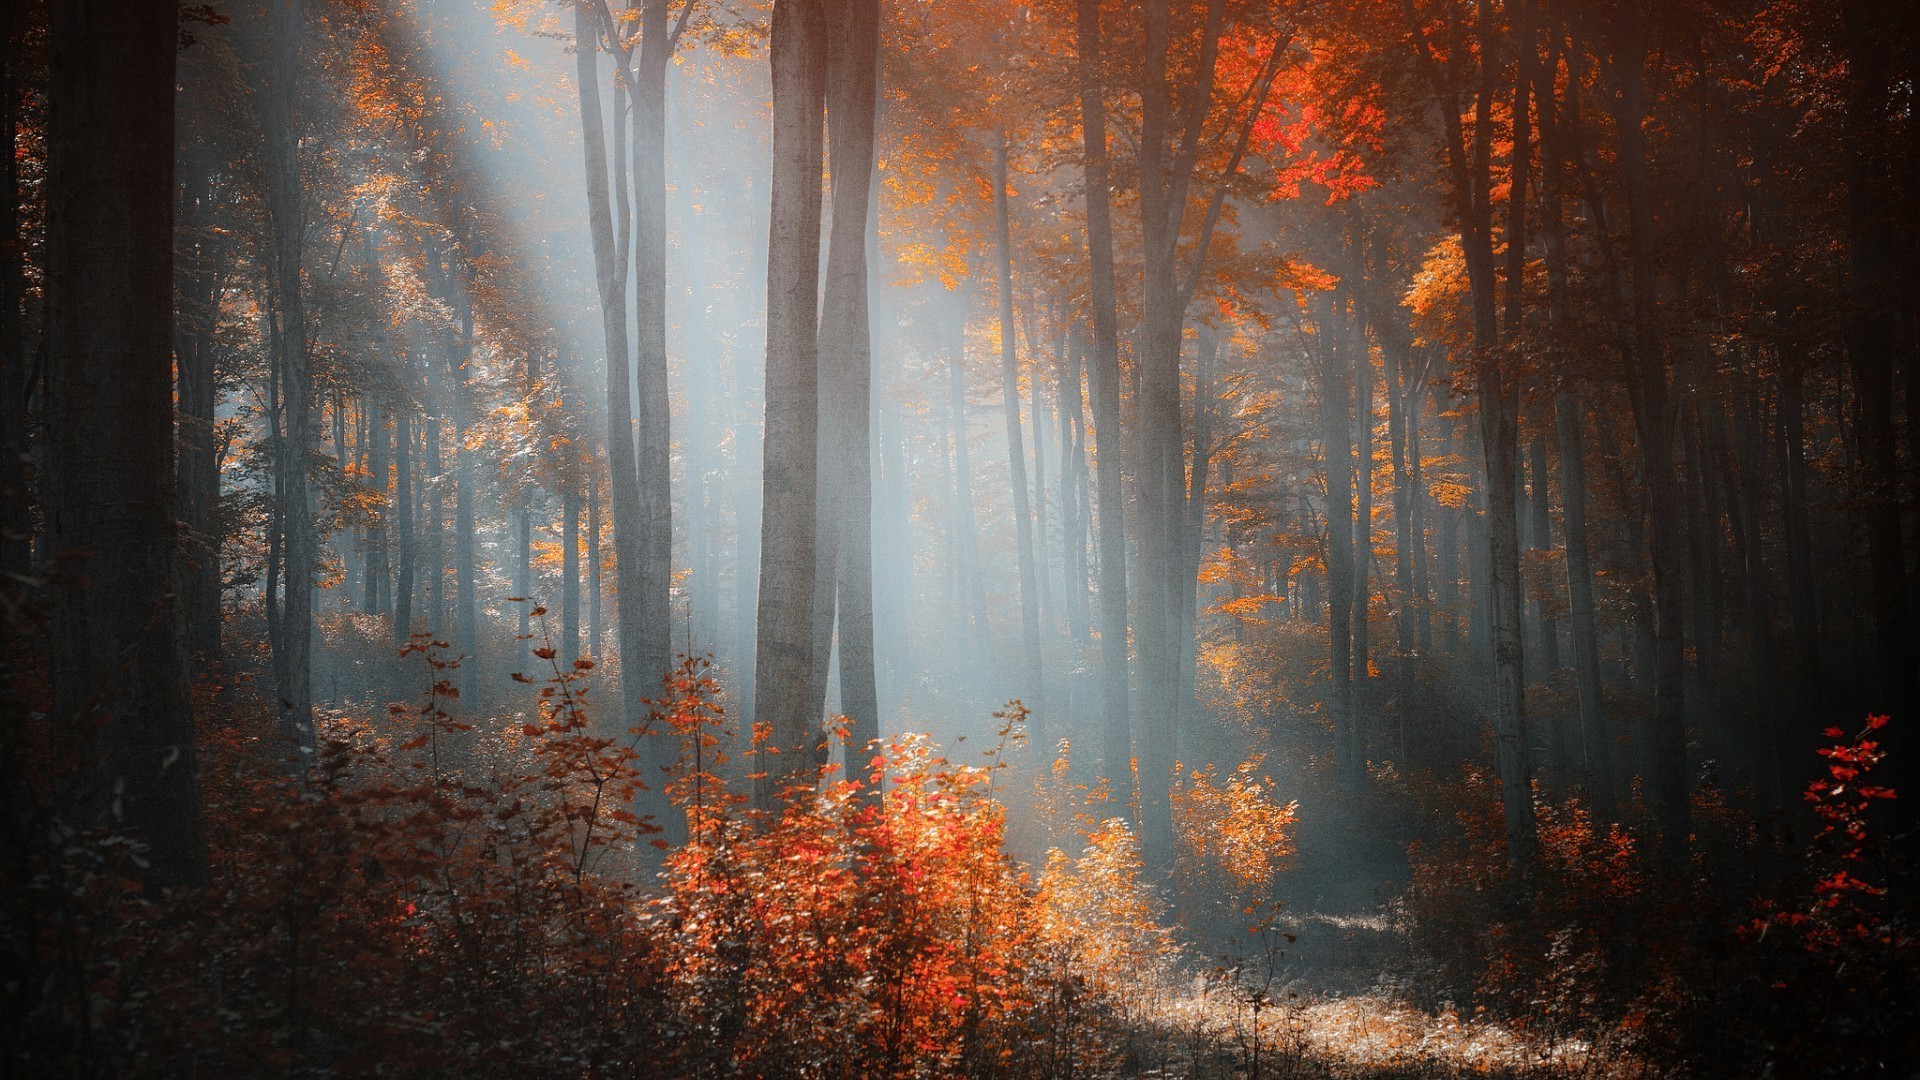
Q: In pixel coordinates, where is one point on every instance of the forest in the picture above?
(1217, 539)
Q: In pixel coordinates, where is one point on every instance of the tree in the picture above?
(786, 707)
(120, 683)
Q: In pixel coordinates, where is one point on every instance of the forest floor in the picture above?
(1363, 1037)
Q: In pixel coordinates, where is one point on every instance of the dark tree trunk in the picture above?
(119, 673)
(1653, 423)
(466, 591)
(1104, 382)
(570, 566)
(403, 517)
(16, 484)
(286, 209)
(1336, 441)
(1875, 304)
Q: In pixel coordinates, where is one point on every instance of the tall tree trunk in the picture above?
(1596, 743)
(1653, 423)
(1496, 592)
(1104, 382)
(1031, 688)
(972, 584)
(846, 373)
(379, 569)
(629, 525)
(570, 566)
(1165, 171)
(199, 281)
(785, 705)
(646, 619)
(119, 673)
(1206, 356)
(466, 591)
(1875, 304)
(1362, 510)
(16, 486)
(403, 510)
(1336, 439)
(1802, 591)
(286, 209)
(596, 569)
(1070, 419)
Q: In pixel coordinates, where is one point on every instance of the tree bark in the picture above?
(846, 375)
(1104, 382)
(646, 655)
(119, 674)
(1032, 686)
(286, 210)
(786, 707)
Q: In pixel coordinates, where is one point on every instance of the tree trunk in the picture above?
(1362, 511)
(403, 509)
(971, 584)
(16, 486)
(199, 281)
(1031, 688)
(646, 617)
(596, 569)
(629, 528)
(286, 209)
(1336, 440)
(1104, 382)
(120, 689)
(1653, 423)
(1802, 590)
(1875, 302)
(570, 566)
(467, 643)
(846, 375)
(785, 705)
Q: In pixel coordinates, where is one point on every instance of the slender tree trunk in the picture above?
(285, 208)
(1067, 418)
(972, 584)
(403, 508)
(785, 705)
(596, 569)
(629, 525)
(1875, 304)
(435, 572)
(16, 483)
(199, 280)
(646, 620)
(467, 643)
(1193, 528)
(119, 673)
(1596, 743)
(1801, 587)
(846, 373)
(1363, 510)
(1032, 688)
(1336, 439)
(379, 568)
(1653, 422)
(570, 568)
(1104, 382)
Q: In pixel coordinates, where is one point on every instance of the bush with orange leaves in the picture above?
(439, 894)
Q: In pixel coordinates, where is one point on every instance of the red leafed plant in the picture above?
(1847, 910)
